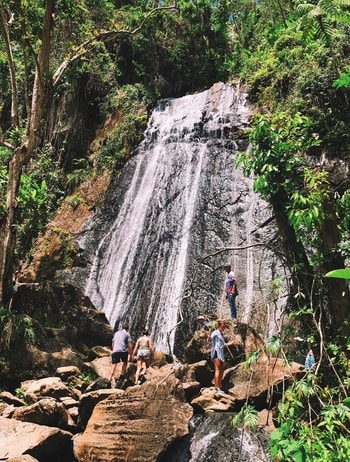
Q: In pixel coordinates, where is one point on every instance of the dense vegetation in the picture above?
(67, 67)
(296, 68)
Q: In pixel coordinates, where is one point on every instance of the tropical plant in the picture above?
(247, 417)
(16, 327)
(320, 19)
(344, 80)
(131, 103)
(314, 424)
(339, 273)
(277, 160)
(20, 393)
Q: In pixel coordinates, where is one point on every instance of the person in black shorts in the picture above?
(121, 349)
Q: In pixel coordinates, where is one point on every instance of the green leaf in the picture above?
(247, 417)
(339, 273)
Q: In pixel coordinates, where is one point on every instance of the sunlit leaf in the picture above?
(339, 273)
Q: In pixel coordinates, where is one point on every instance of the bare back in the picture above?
(144, 341)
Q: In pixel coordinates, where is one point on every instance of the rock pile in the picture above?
(63, 418)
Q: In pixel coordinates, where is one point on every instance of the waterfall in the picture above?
(213, 439)
(153, 248)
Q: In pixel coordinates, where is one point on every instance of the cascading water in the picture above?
(213, 439)
(154, 247)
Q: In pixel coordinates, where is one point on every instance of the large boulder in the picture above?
(248, 341)
(44, 443)
(48, 412)
(263, 383)
(67, 373)
(210, 400)
(25, 458)
(89, 400)
(35, 390)
(138, 425)
(100, 366)
(98, 351)
(9, 398)
(196, 372)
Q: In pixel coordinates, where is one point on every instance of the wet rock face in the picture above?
(216, 440)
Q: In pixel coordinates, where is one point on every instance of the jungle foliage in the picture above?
(296, 66)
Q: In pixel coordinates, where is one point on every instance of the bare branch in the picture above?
(6, 144)
(258, 244)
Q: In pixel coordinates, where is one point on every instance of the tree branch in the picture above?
(4, 24)
(258, 244)
(6, 144)
(105, 36)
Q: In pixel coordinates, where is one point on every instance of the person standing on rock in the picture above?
(121, 349)
(310, 357)
(217, 353)
(144, 351)
(203, 323)
(231, 290)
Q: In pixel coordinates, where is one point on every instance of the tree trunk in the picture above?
(42, 92)
(299, 265)
(338, 293)
(14, 99)
(7, 232)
